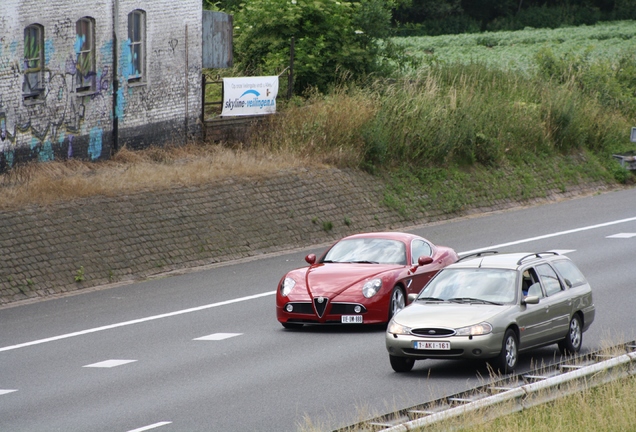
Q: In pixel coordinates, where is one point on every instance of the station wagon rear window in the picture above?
(570, 271)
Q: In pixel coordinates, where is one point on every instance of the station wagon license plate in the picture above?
(442, 346)
(351, 319)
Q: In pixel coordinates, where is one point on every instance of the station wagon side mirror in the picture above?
(311, 259)
(568, 283)
(411, 298)
(530, 300)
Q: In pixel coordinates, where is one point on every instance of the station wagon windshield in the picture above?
(367, 250)
(472, 286)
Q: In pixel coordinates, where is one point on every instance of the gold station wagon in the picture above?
(493, 306)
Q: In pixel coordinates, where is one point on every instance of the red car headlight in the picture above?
(286, 287)
(371, 288)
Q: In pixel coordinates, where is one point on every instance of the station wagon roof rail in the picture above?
(535, 255)
(477, 254)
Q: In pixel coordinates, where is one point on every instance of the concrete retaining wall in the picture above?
(89, 242)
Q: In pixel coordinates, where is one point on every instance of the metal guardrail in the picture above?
(520, 391)
(627, 160)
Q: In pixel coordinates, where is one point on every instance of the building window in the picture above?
(85, 51)
(33, 86)
(137, 39)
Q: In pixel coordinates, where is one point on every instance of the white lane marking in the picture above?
(217, 336)
(556, 234)
(137, 321)
(622, 235)
(109, 363)
(199, 308)
(4, 392)
(152, 426)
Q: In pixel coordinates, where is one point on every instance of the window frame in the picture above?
(415, 245)
(85, 56)
(549, 279)
(33, 62)
(137, 44)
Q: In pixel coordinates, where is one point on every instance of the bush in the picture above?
(332, 39)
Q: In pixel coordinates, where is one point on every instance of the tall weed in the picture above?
(327, 129)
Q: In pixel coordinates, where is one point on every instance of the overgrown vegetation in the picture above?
(452, 134)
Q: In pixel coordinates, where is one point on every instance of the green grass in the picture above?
(515, 50)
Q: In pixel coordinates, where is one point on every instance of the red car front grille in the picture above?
(320, 304)
(306, 308)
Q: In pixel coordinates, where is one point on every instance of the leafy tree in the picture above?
(332, 39)
(487, 10)
(421, 10)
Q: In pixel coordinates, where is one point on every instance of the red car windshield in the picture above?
(367, 250)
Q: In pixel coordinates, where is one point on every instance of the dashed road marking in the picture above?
(4, 392)
(622, 235)
(149, 427)
(109, 363)
(218, 336)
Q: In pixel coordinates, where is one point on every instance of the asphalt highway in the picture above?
(203, 351)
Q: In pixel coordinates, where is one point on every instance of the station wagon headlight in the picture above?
(397, 329)
(371, 288)
(287, 285)
(475, 330)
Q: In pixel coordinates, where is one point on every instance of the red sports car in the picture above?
(361, 279)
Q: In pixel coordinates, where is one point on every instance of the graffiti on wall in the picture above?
(64, 111)
(59, 113)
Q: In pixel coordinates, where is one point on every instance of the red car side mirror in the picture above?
(421, 261)
(311, 259)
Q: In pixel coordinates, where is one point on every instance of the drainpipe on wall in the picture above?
(115, 146)
(187, 87)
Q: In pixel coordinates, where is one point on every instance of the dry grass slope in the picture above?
(129, 171)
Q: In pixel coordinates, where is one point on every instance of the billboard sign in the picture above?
(249, 96)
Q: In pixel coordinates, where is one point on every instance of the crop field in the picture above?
(516, 50)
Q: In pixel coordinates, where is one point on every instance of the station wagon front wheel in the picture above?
(507, 360)
(401, 364)
(572, 342)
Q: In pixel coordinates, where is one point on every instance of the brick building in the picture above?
(80, 79)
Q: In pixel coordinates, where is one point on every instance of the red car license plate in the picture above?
(351, 319)
(443, 346)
